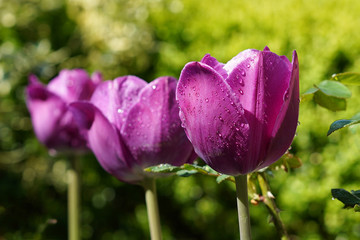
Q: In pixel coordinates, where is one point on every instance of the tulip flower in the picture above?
(240, 116)
(53, 123)
(132, 125)
(55, 126)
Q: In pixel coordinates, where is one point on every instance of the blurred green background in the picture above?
(150, 38)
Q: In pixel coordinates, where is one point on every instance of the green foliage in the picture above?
(153, 38)
(329, 94)
(350, 78)
(349, 199)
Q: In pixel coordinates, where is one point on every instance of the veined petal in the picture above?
(153, 129)
(115, 98)
(260, 79)
(213, 119)
(217, 66)
(105, 142)
(287, 119)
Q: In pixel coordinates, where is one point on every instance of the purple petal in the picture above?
(97, 78)
(286, 122)
(214, 119)
(153, 129)
(212, 62)
(259, 80)
(115, 98)
(72, 85)
(51, 121)
(105, 142)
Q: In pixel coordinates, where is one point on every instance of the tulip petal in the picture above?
(105, 142)
(212, 62)
(260, 80)
(153, 129)
(286, 122)
(213, 119)
(46, 110)
(72, 85)
(115, 98)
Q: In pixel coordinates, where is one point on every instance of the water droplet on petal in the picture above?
(206, 100)
(120, 110)
(248, 65)
(241, 91)
(154, 87)
(242, 72)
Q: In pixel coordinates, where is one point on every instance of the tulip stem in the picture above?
(152, 208)
(243, 207)
(74, 199)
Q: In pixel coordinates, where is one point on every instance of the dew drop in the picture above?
(298, 123)
(221, 119)
(241, 82)
(197, 94)
(286, 96)
(206, 100)
(242, 72)
(242, 125)
(120, 110)
(241, 91)
(220, 135)
(248, 65)
(154, 87)
(237, 129)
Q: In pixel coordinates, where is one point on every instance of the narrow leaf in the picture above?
(222, 178)
(186, 173)
(163, 168)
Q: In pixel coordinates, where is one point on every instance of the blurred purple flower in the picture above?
(240, 116)
(52, 121)
(133, 125)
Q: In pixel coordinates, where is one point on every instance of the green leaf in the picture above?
(186, 173)
(347, 198)
(351, 78)
(341, 124)
(330, 102)
(163, 168)
(334, 89)
(308, 94)
(222, 178)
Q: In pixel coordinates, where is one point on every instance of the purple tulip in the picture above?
(240, 116)
(132, 125)
(52, 121)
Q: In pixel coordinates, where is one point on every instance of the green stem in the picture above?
(243, 207)
(271, 205)
(74, 199)
(152, 208)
